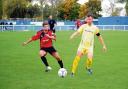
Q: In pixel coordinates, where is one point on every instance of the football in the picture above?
(62, 72)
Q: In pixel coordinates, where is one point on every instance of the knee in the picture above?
(42, 54)
(79, 54)
(56, 56)
(90, 55)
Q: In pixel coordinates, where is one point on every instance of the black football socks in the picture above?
(44, 60)
(60, 63)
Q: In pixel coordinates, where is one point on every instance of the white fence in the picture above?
(65, 27)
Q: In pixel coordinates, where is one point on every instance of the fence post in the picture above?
(2, 28)
(13, 28)
(114, 27)
(124, 27)
(60, 28)
(103, 27)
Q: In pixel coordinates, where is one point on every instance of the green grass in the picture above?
(21, 67)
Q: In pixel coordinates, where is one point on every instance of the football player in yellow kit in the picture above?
(86, 45)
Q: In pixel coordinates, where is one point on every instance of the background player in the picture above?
(46, 37)
(78, 23)
(88, 31)
(52, 23)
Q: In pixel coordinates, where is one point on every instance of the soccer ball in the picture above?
(62, 72)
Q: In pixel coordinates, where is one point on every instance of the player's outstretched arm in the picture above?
(102, 42)
(74, 34)
(28, 41)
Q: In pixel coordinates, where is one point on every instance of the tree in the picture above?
(5, 3)
(116, 12)
(121, 1)
(74, 12)
(94, 7)
(20, 9)
(16, 9)
(69, 9)
(126, 7)
(33, 11)
(112, 6)
(42, 3)
(49, 7)
(83, 11)
(29, 0)
(113, 10)
(47, 11)
(54, 7)
(91, 7)
(1, 8)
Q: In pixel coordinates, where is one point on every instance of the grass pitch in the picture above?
(21, 67)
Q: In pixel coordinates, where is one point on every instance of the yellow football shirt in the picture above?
(87, 39)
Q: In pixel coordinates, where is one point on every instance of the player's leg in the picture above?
(57, 57)
(76, 61)
(54, 31)
(80, 53)
(44, 60)
(89, 62)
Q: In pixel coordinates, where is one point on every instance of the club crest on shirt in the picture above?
(88, 31)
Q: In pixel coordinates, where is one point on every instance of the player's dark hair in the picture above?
(89, 15)
(45, 23)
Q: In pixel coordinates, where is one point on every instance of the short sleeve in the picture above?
(36, 37)
(97, 30)
(80, 30)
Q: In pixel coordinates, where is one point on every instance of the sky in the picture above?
(82, 1)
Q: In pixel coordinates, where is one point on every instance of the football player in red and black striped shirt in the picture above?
(46, 37)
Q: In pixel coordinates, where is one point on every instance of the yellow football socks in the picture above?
(75, 64)
(88, 63)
